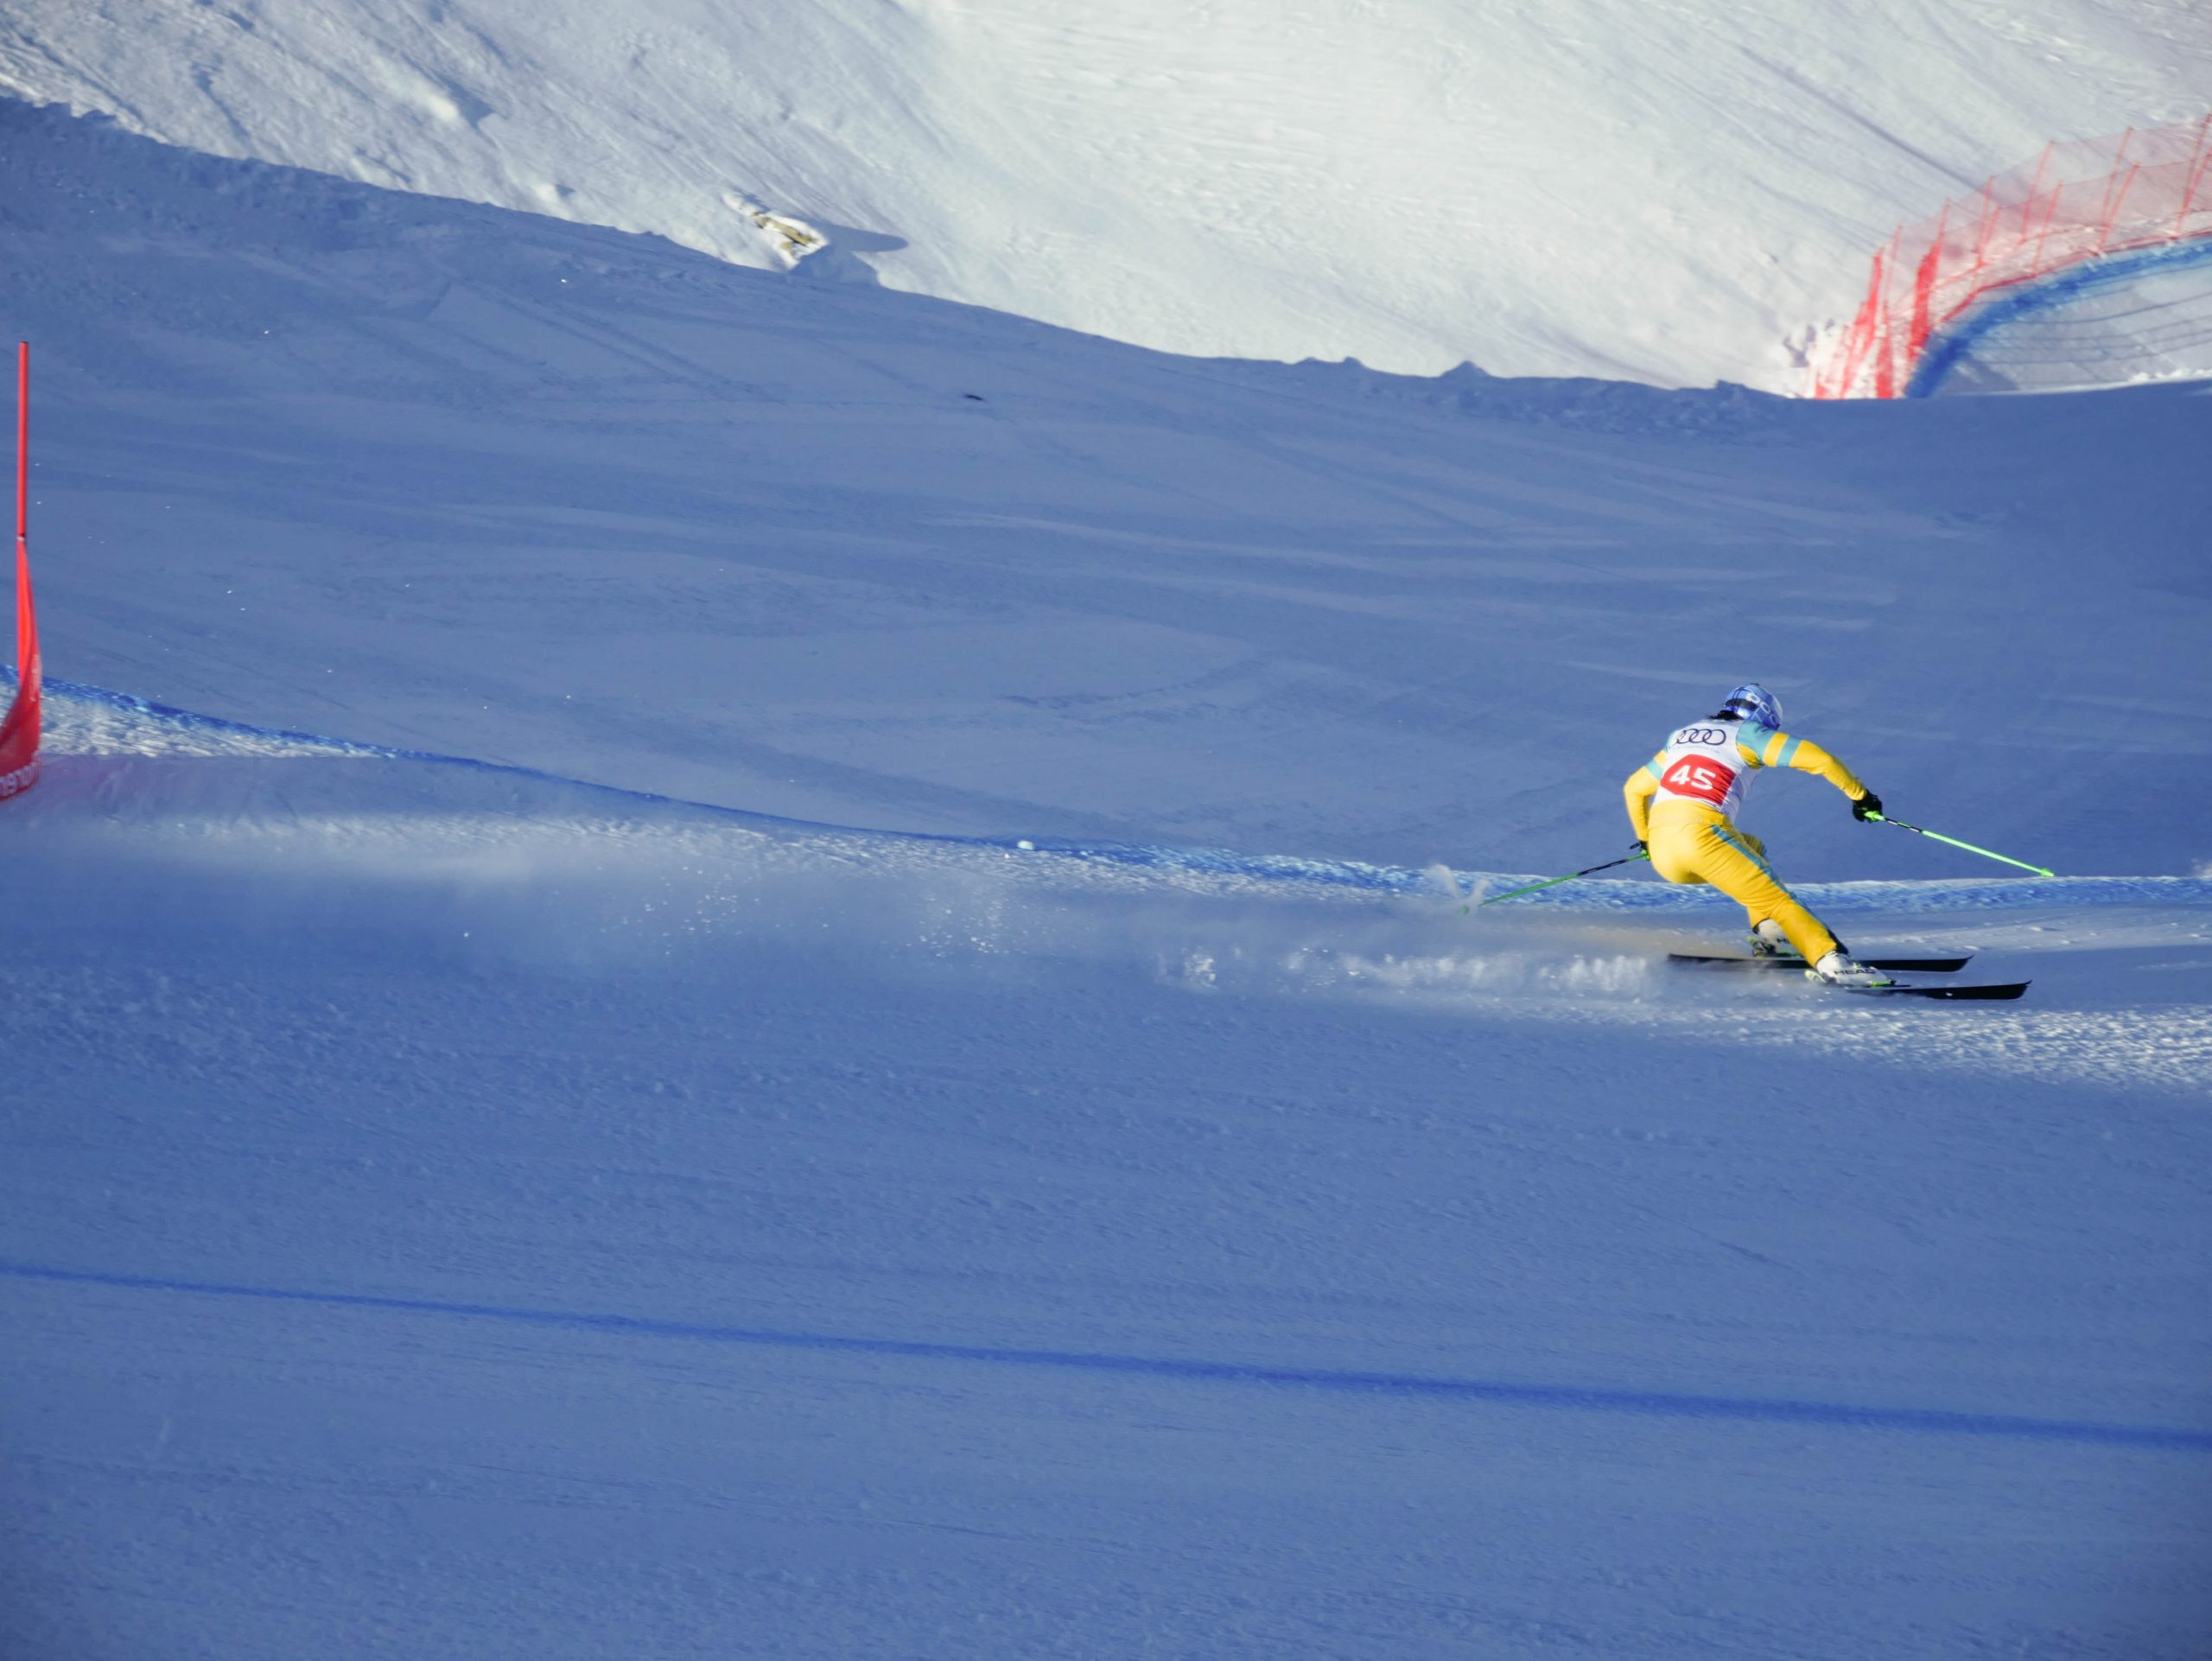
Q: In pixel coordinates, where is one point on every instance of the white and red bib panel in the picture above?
(1708, 761)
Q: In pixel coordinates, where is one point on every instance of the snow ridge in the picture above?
(1223, 865)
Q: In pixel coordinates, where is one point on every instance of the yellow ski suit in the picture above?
(1698, 776)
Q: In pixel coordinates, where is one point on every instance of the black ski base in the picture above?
(1924, 965)
(2009, 990)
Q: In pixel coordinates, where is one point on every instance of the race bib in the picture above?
(1698, 776)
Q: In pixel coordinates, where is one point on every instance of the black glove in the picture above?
(1866, 807)
(1642, 846)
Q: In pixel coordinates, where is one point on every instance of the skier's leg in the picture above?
(1758, 852)
(1726, 860)
(1674, 845)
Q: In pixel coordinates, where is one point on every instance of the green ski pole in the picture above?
(1552, 882)
(1884, 818)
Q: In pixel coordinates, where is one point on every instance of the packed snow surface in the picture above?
(1669, 193)
(631, 1229)
(719, 966)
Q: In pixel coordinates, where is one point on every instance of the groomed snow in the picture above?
(462, 1214)
(465, 1207)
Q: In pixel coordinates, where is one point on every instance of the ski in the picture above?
(2009, 989)
(1925, 966)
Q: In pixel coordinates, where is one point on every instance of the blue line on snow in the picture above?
(1958, 894)
(1645, 1403)
(2069, 285)
(1332, 873)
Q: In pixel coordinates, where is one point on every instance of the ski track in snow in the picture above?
(1212, 921)
(1492, 1391)
(2006, 894)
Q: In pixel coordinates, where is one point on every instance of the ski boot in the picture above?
(1768, 941)
(1839, 968)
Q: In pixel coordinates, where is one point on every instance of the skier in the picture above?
(1699, 778)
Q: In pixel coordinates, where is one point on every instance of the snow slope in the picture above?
(449, 1210)
(449, 479)
(1669, 193)
(566, 1225)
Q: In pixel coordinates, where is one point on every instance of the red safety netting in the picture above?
(2082, 201)
(19, 728)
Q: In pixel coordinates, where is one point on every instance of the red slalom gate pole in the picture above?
(22, 449)
(19, 728)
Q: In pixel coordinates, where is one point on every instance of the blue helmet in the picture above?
(1754, 702)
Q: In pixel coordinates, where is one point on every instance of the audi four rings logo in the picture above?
(1702, 735)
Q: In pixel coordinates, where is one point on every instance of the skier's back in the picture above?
(1683, 804)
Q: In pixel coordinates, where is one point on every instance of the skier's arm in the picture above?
(1638, 793)
(1768, 748)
